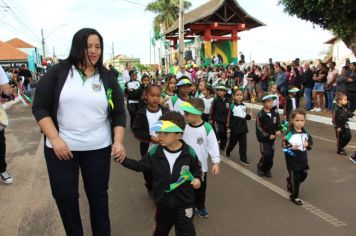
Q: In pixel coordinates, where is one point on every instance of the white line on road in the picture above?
(307, 206)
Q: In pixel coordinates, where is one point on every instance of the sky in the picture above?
(127, 25)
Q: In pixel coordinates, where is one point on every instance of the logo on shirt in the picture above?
(200, 141)
(96, 86)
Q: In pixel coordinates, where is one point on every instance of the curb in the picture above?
(310, 117)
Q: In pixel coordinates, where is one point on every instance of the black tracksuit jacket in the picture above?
(156, 162)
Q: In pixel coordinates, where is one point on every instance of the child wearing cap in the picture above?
(291, 103)
(201, 137)
(218, 115)
(208, 101)
(268, 127)
(167, 162)
(184, 86)
(133, 94)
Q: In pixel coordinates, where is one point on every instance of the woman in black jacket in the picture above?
(80, 109)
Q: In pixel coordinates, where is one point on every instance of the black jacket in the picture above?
(307, 79)
(238, 125)
(49, 88)
(156, 162)
(267, 125)
(219, 110)
(299, 161)
(288, 107)
(141, 128)
(341, 116)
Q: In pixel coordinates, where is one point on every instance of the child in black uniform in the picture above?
(145, 117)
(268, 127)
(340, 118)
(296, 143)
(166, 162)
(218, 115)
(291, 103)
(133, 93)
(237, 126)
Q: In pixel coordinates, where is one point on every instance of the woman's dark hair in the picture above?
(174, 117)
(77, 55)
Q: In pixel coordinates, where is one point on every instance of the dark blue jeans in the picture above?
(64, 180)
(308, 96)
(330, 98)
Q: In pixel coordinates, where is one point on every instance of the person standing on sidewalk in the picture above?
(308, 85)
(79, 107)
(5, 88)
(351, 85)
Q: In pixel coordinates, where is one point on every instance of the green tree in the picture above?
(338, 16)
(167, 12)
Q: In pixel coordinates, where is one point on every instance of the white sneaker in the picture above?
(314, 109)
(318, 110)
(6, 178)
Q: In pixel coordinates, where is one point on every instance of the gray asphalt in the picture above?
(238, 205)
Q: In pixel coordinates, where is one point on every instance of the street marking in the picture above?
(307, 206)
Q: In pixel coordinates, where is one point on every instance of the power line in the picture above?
(19, 19)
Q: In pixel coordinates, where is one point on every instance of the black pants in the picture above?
(343, 138)
(267, 151)
(221, 134)
(133, 107)
(3, 164)
(200, 194)
(205, 117)
(242, 140)
(296, 177)
(146, 175)
(352, 99)
(181, 218)
(64, 180)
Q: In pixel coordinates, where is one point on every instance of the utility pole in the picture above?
(181, 33)
(150, 47)
(113, 55)
(43, 46)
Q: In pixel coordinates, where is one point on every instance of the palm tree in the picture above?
(167, 12)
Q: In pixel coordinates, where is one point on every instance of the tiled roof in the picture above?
(205, 11)
(10, 53)
(18, 43)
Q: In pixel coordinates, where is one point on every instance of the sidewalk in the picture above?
(323, 118)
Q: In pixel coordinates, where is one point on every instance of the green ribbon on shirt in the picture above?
(109, 98)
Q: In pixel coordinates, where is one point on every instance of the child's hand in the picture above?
(120, 159)
(154, 140)
(306, 144)
(278, 133)
(215, 170)
(295, 148)
(228, 130)
(196, 183)
(338, 129)
(271, 137)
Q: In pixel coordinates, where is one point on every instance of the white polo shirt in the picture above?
(83, 114)
(3, 77)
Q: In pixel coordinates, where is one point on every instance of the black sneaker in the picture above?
(246, 163)
(6, 178)
(342, 152)
(353, 159)
(227, 154)
(203, 212)
(268, 174)
(296, 201)
(260, 172)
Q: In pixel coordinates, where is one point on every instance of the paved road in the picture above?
(239, 202)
